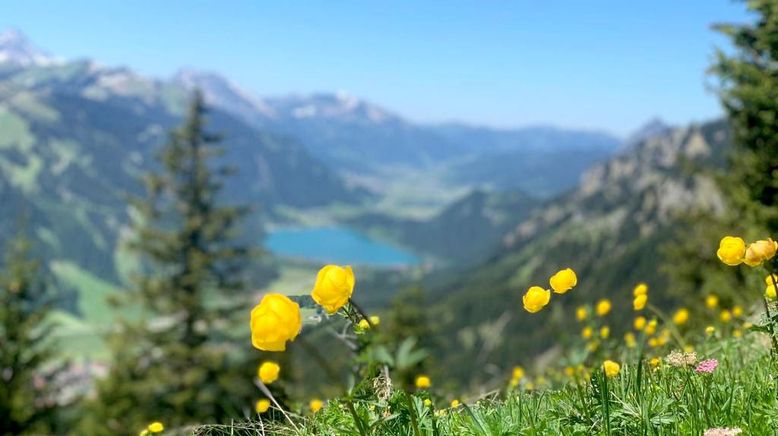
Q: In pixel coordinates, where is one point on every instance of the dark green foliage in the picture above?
(29, 392)
(177, 363)
(749, 92)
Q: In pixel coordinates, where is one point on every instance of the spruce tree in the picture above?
(28, 369)
(176, 362)
(749, 93)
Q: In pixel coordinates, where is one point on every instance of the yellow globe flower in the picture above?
(651, 327)
(454, 404)
(771, 279)
(581, 313)
(569, 371)
(587, 332)
(737, 333)
(731, 250)
(769, 292)
(536, 299)
(316, 405)
(639, 303)
(681, 316)
(603, 307)
(563, 281)
(333, 288)
(423, 382)
(710, 330)
(611, 368)
(605, 332)
(711, 301)
(427, 402)
(274, 321)
(629, 339)
(726, 316)
(156, 427)
(363, 324)
(518, 373)
(268, 372)
(640, 289)
(760, 251)
(737, 311)
(654, 362)
(653, 342)
(639, 323)
(375, 320)
(262, 405)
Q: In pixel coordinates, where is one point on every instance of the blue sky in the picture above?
(593, 64)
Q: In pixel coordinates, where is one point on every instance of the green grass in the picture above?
(668, 400)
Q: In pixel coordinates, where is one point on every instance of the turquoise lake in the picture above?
(336, 245)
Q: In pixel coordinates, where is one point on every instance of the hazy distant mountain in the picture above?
(653, 127)
(609, 230)
(74, 137)
(356, 136)
(17, 50)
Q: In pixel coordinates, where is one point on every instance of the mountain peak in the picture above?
(16, 48)
(221, 92)
(653, 127)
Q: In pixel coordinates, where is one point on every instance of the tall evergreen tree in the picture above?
(176, 363)
(749, 93)
(28, 372)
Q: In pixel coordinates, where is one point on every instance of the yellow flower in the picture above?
(711, 301)
(653, 342)
(333, 288)
(611, 368)
(423, 382)
(771, 279)
(651, 327)
(581, 313)
(144, 432)
(654, 362)
(731, 250)
(769, 292)
(563, 281)
(518, 373)
(156, 427)
(710, 330)
(569, 371)
(363, 324)
(592, 346)
(605, 332)
(586, 333)
(268, 372)
(262, 405)
(514, 382)
(737, 333)
(760, 251)
(737, 311)
(726, 316)
(375, 320)
(681, 316)
(316, 405)
(603, 307)
(639, 323)
(427, 402)
(454, 404)
(274, 321)
(640, 289)
(639, 303)
(536, 299)
(629, 339)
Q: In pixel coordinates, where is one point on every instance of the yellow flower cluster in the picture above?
(536, 298)
(640, 294)
(733, 251)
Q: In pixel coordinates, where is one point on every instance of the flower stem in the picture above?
(357, 419)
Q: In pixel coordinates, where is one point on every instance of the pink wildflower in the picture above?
(722, 432)
(707, 366)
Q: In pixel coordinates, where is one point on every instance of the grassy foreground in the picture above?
(677, 396)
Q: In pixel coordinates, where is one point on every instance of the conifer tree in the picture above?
(176, 363)
(749, 92)
(28, 371)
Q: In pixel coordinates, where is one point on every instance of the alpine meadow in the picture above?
(529, 249)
